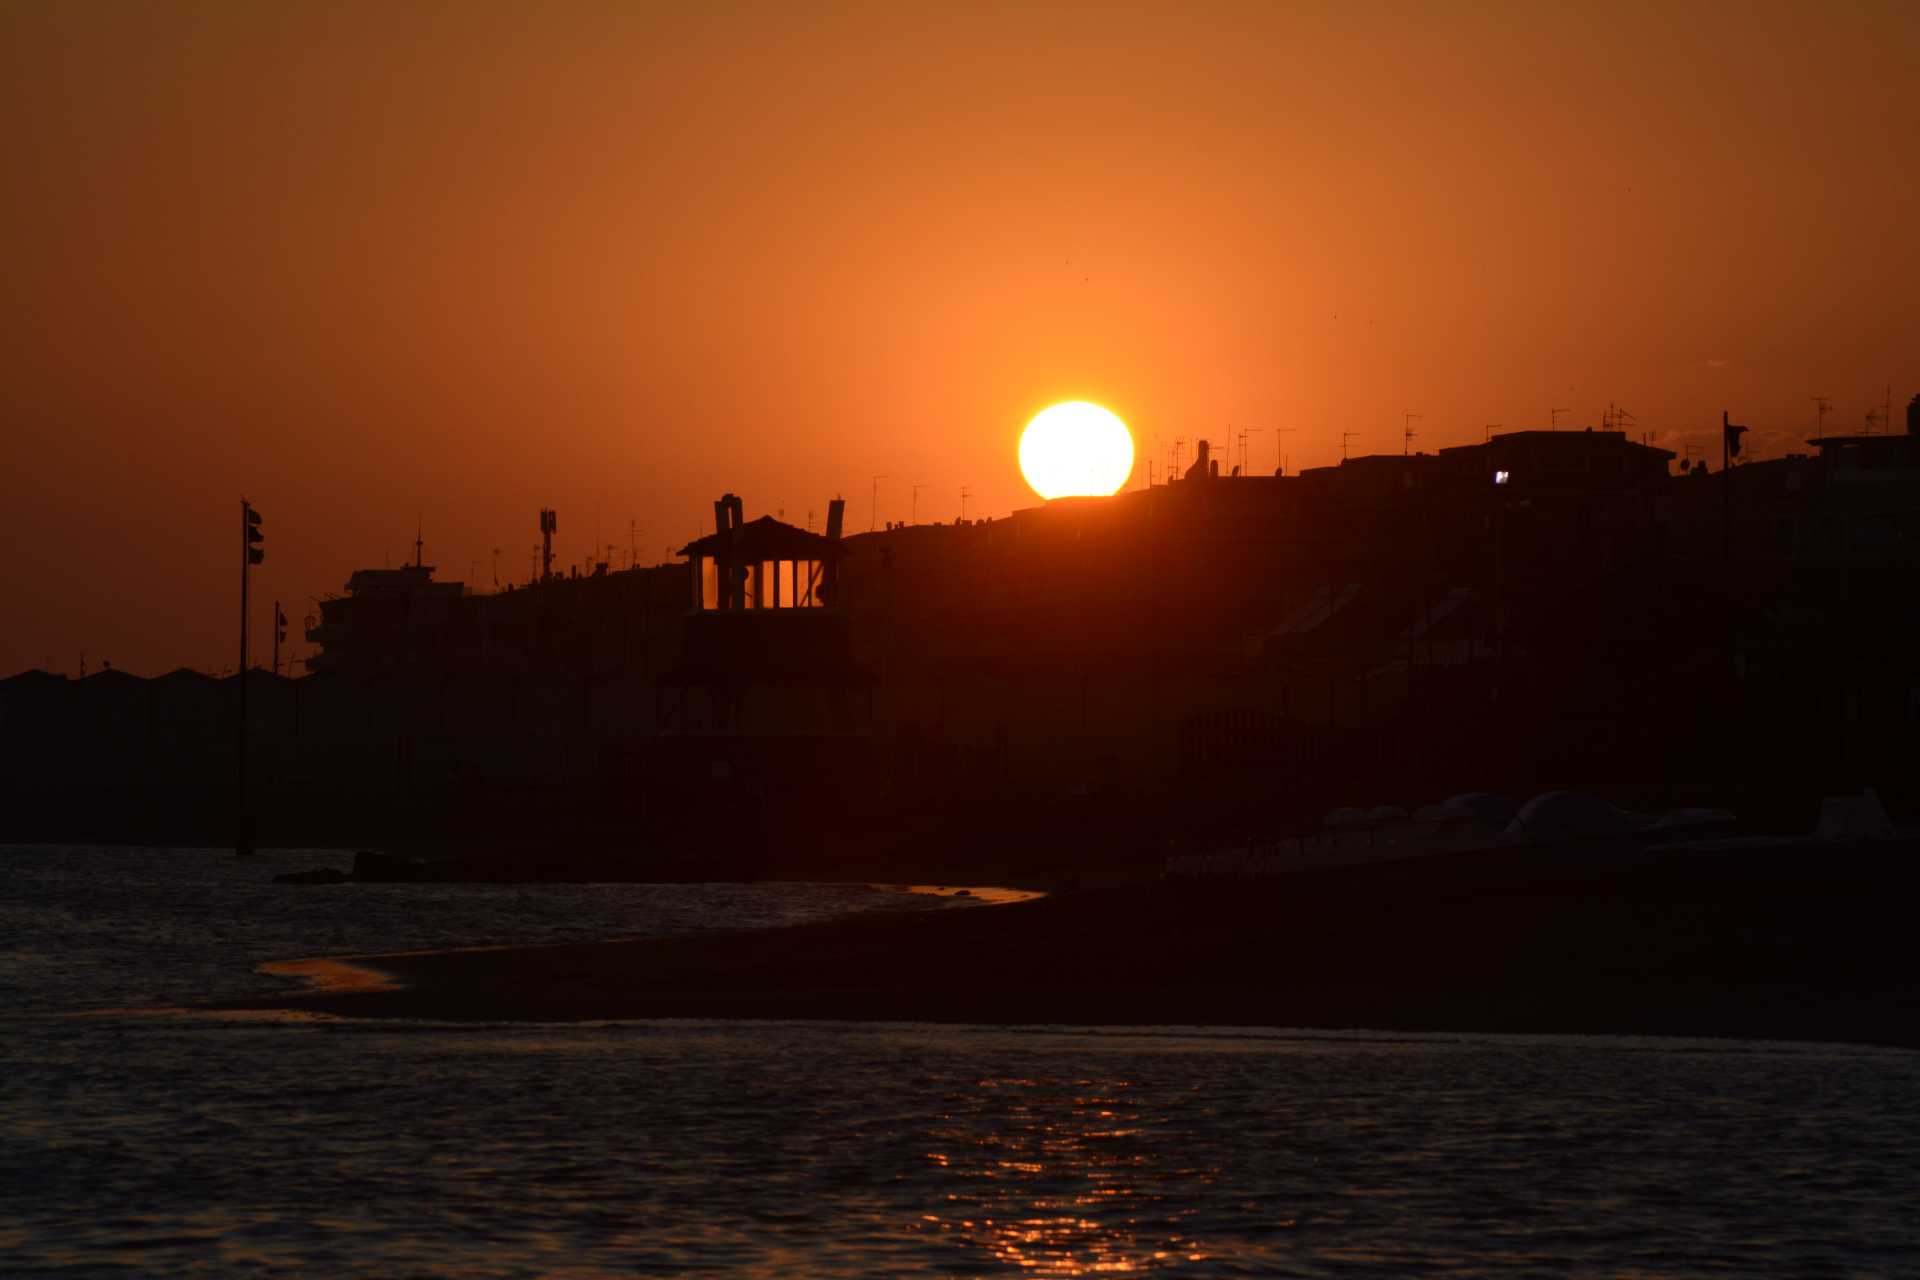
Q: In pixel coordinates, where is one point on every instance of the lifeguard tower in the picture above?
(765, 645)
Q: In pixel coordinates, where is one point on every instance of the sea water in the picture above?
(158, 1141)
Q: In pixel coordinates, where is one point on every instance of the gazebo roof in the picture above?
(765, 539)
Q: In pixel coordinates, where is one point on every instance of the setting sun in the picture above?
(1076, 449)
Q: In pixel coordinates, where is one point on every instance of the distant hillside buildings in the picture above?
(1543, 606)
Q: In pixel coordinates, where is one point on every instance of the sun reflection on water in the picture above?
(1058, 1178)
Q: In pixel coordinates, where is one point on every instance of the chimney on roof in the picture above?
(1200, 470)
(830, 573)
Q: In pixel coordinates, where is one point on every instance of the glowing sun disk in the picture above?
(1076, 449)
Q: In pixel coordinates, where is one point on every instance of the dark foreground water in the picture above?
(165, 1143)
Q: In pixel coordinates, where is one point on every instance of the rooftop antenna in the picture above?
(419, 543)
(549, 525)
(1821, 406)
(1616, 416)
(633, 544)
(965, 493)
(1407, 432)
(1246, 449)
(1280, 446)
(873, 516)
(496, 568)
(1344, 437)
(915, 519)
(1491, 428)
(1553, 418)
(1883, 413)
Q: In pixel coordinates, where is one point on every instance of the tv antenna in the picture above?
(1407, 432)
(1344, 437)
(1881, 413)
(1615, 416)
(915, 506)
(1553, 418)
(1490, 429)
(1821, 407)
(965, 494)
(1279, 447)
(1246, 449)
(873, 515)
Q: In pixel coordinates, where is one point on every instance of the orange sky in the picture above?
(463, 262)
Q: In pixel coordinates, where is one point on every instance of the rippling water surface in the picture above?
(167, 1143)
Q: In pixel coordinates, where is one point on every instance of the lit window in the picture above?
(1501, 477)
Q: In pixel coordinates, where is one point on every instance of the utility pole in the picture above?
(1729, 449)
(873, 502)
(250, 555)
(279, 634)
(1406, 431)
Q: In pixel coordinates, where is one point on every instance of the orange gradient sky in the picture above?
(364, 263)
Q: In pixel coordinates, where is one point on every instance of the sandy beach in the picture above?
(1771, 944)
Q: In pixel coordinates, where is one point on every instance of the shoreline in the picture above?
(1753, 946)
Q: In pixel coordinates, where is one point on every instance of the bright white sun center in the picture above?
(1075, 449)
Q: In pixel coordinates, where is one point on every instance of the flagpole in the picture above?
(242, 836)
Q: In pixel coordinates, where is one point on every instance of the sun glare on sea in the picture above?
(1076, 449)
